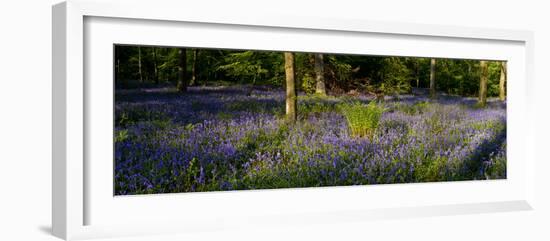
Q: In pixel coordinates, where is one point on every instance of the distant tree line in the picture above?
(139, 66)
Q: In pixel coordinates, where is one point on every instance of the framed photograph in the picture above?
(166, 122)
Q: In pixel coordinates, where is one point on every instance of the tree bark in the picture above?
(320, 87)
(194, 68)
(483, 83)
(182, 69)
(417, 73)
(155, 65)
(291, 100)
(502, 83)
(432, 78)
(139, 65)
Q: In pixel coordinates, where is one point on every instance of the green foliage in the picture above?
(391, 124)
(191, 173)
(495, 125)
(251, 66)
(414, 109)
(315, 108)
(161, 123)
(315, 104)
(168, 64)
(343, 73)
(340, 69)
(222, 115)
(461, 77)
(244, 105)
(436, 123)
(248, 105)
(431, 170)
(493, 78)
(362, 119)
(497, 165)
(134, 115)
(395, 76)
(308, 83)
(189, 127)
(304, 74)
(247, 65)
(263, 140)
(121, 135)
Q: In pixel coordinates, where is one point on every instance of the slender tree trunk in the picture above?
(139, 65)
(320, 87)
(207, 74)
(502, 83)
(117, 66)
(417, 72)
(182, 80)
(194, 68)
(155, 65)
(483, 83)
(469, 73)
(251, 88)
(461, 87)
(417, 76)
(432, 78)
(291, 100)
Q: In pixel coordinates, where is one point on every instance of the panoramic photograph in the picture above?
(198, 120)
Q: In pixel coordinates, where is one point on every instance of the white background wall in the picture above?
(25, 118)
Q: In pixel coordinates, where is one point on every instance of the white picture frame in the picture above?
(83, 204)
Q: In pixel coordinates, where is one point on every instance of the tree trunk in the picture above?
(291, 100)
(139, 66)
(417, 72)
(432, 78)
(483, 83)
(182, 80)
(251, 88)
(207, 74)
(155, 65)
(502, 84)
(194, 68)
(320, 87)
(117, 66)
